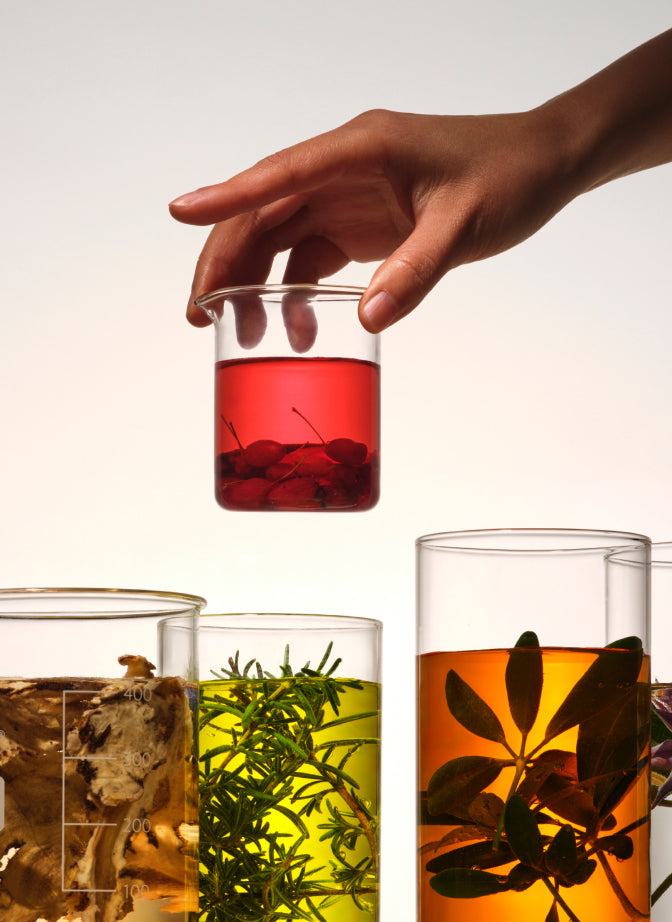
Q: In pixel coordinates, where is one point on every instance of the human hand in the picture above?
(423, 193)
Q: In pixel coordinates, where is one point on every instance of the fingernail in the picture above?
(381, 310)
(189, 198)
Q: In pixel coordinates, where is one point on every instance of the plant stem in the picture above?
(661, 888)
(521, 762)
(632, 911)
(559, 899)
(268, 763)
(233, 432)
(342, 791)
(308, 423)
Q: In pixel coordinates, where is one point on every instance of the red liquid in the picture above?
(297, 434)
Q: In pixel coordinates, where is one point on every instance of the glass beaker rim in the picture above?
(289, 621)
(656, 548)
(520, 541)
(277, 292)
(34, 602)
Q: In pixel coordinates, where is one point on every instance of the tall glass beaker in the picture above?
(98, 817)
(533, 727)
(297, 392)
(661, 732)
(289, 751)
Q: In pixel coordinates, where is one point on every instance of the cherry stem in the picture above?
(307, 421)
(233, 432)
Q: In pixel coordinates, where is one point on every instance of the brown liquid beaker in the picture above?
(98, 802)
(533, 726)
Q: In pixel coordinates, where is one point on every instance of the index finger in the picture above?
(293, 171)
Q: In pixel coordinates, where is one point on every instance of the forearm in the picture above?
(619, 121)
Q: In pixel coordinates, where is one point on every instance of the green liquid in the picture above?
(289, 773)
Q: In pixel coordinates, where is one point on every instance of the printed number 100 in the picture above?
(136, 892)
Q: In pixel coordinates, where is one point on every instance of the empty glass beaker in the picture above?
(297, 392)
(98, 816)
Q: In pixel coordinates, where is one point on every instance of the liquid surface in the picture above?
(289, 799)
(297, 434)
(572, 758)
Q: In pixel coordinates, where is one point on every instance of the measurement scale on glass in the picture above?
(125, 759)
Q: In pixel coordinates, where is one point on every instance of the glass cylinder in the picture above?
(533, 727)
(297, 394)
(661, 732)
(289, 752)
(98, 820)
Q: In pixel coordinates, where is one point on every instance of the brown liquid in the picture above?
(661, 817)
(99, 800)
(615, 894)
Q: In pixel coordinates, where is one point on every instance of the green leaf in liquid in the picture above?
(610, 744)
(609, 676)
(457, 782)
(470, 710)
(522, 876)
(524, 681)
(476, 855)
(522, 832)
(561, 856)
(466, 884)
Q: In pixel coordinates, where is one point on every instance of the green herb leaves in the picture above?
(469, 709)
(537, 812)
(524, 680)
(288, 789)
(459, 781)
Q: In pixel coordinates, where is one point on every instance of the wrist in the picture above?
(617, 122)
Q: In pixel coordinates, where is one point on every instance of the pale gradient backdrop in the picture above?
(533, 389)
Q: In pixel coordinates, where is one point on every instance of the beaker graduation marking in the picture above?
(64, 824)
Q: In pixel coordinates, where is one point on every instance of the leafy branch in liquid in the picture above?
(271, 765)
(580, 788)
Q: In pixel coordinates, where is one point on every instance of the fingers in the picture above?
(251, 320)
(300, 321)
(293, 171)
(313, 259)
(405, 278)
(235, 253)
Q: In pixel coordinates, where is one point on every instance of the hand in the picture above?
(423, 193)
(426, 193)
(251, 322)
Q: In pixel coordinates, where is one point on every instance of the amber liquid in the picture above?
(302, 405)
(661, 824)
(442, 738)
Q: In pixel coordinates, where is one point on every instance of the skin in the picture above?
(422, 194)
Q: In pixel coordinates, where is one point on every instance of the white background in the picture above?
(533, 389)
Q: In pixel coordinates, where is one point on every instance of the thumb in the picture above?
(407, 275)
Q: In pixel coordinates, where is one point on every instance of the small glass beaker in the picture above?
(533, 727)
(297, 393)
(289, 752)
(98, 817)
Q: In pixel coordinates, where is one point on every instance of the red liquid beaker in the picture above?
(297, 385)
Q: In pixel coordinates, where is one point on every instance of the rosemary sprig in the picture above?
(286, 828)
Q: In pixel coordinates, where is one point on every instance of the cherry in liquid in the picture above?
(297, 434)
